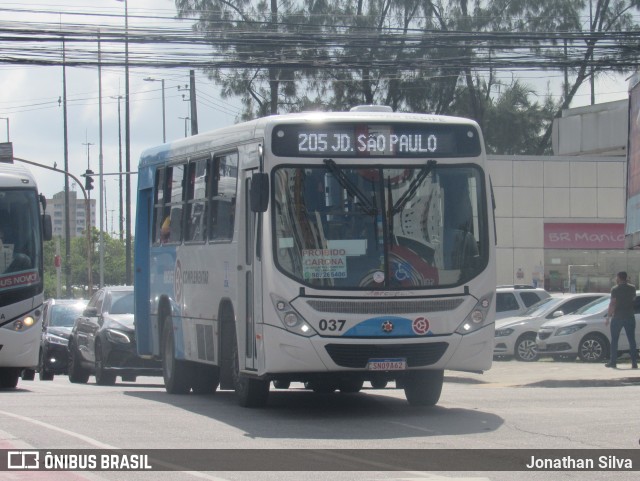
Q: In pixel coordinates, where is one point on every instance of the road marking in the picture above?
(101, 445)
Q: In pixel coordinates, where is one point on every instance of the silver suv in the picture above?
(514, 300)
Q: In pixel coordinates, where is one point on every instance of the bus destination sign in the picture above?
(375, 140)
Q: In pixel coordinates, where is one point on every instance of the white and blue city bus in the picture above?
(323, 248)
(22, 228)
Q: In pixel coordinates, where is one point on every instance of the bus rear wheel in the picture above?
(251, 393)
(205, 378)
(175, 372)
(423, 388)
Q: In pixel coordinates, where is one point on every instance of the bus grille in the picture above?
(385, 307)
(357, 355)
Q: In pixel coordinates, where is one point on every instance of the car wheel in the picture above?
(9, 377)
(28, 374)
(378, 383)
(349, 386)
(281, 384)
(251, 393)
(423, 388)
(526, 349)
(77, 374)
(593, 348)
(43, 374)
(103, 376)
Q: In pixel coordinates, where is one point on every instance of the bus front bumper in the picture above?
(20, 349)
(285, 352)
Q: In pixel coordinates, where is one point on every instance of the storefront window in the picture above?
(590, 270)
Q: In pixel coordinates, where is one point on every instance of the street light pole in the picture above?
(164, 124)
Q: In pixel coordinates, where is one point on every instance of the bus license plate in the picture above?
(395, 364)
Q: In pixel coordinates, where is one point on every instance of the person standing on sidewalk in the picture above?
(621, 314)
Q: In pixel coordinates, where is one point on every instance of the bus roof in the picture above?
(246, 131)
(15, 175)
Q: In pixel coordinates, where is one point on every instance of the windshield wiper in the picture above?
(413, 187)
(366, 204)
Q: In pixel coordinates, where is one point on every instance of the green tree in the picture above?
(437, 56)
(114, 264)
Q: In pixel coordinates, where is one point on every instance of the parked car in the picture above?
(58, 316)
(583, 333)
(103, 343)
(516, 336)
(514, 300)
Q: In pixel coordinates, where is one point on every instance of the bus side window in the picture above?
(160, 213)
(223, 197)
(196, 215)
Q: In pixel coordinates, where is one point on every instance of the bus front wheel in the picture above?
(251, 393)
(423, 388)
(175, 372)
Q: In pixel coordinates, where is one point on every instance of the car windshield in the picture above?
(594, 307)
(121, 302)
(364, 227)
(64, 315)
(541, 306)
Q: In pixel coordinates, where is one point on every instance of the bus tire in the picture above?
(378, 383)
(423, 388)
(350, 386)
(77, 374)
(251, 393)
(9, 377)
(205, 378)
(176, 373)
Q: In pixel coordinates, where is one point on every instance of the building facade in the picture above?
(77, 214)
(560, 219)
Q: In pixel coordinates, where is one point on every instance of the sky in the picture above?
(29, 100)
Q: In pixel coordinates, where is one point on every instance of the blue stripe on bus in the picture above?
(402, 327)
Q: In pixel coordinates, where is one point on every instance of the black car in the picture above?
(103, 342)
(58, 316)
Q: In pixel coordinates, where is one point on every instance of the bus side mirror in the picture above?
(47, 229)
(259, 192)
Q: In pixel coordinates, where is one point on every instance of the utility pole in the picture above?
(192, 100)
(67, 225)
(101, 167)
(185, 124)
(121, 218)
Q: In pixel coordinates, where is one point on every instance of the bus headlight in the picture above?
(292, 321)
(477, 318)
(22, 324)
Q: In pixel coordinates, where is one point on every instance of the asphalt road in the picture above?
(525, 406)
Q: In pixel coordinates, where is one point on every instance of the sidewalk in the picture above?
(548, 373)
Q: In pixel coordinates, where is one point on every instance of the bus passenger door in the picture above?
(250, 285)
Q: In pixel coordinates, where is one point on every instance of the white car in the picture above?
(514, 300)
(516, 336)
(583, 334)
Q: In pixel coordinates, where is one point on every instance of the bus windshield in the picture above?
(380, 227)
(20, 248)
